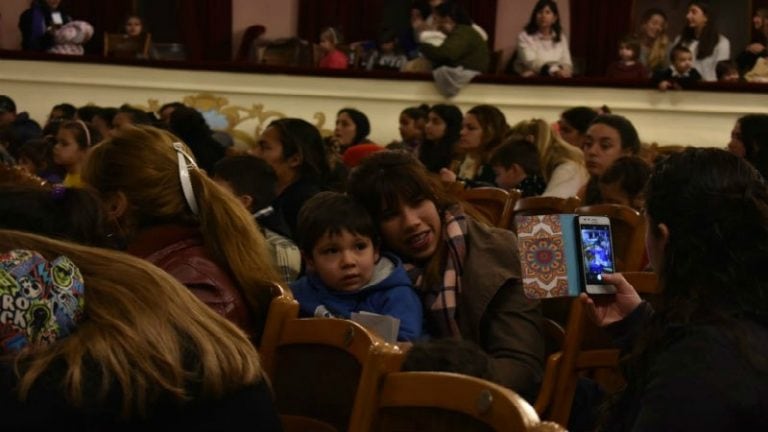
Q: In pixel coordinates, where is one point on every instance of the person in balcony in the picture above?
(461, 56)
(542, 48)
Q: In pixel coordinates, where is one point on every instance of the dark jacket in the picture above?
(47, 408)
(180, 252)
(678, 81)
(493, 312)
(34, 24)
(462, 47)
(389, 293)
(705, 378)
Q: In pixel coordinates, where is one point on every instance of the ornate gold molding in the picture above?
(245, 124)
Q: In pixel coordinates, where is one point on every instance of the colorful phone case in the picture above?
(548, 249)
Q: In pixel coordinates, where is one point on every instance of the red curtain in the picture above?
(206, 29)
(596, 27)
(361, 20)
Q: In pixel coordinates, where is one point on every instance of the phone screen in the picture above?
(596, 252)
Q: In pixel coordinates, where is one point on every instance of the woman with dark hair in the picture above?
(542, 48)
(352, 128)
(749, 139)
(441, 134)
(702, 37)
(467, 273)
(412, 122)
(483, 129)
(295, 149)
(609, 137)
(190, 125)
(758, 46)
(698, 362)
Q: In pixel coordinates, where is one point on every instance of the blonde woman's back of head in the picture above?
(142, 163)
(147, 333)
(553, 151)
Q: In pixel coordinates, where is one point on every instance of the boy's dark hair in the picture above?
(580, 117)
(39, 151)
(86, 112)
(332, 213)
(73, 214)
(676, 50)
(248, 175)
(724, 67)
(68, 110)
(138, 116)
(631, 172)
(449, 355)
(633, 44)
(517, 151)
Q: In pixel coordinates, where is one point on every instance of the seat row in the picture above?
(334, 375)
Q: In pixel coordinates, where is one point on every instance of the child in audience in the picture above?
(254, 183)
(628, 67)
(73, 140)
(345, 271)
(727, 71)
(624, 181)
(333, 58)
(680, 74)
(36, 158)
(388, 55)
(516, 165)
(412, 121)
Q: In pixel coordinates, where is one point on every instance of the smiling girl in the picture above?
(467, 274)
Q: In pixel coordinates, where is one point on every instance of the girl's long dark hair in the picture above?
(439, 154)
(532, 27)
(709, 36)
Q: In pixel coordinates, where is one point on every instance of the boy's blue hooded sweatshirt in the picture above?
(389, 292)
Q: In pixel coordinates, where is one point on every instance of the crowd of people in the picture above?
(354, 226)
(445, 41)
(138, 249)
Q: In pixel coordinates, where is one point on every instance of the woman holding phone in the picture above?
(699, 361)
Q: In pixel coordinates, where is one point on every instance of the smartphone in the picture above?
(596, 246)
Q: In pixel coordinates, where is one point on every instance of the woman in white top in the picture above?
(701, 36)
(562, 164)
(542, 48)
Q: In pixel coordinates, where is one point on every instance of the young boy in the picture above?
(516, 164)
(628, 67)
(680, 74)
(254, 182)
(345, 272)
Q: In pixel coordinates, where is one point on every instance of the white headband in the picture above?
(186, 184)
(87, 133)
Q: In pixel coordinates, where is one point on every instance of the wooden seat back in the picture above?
(628, 232)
